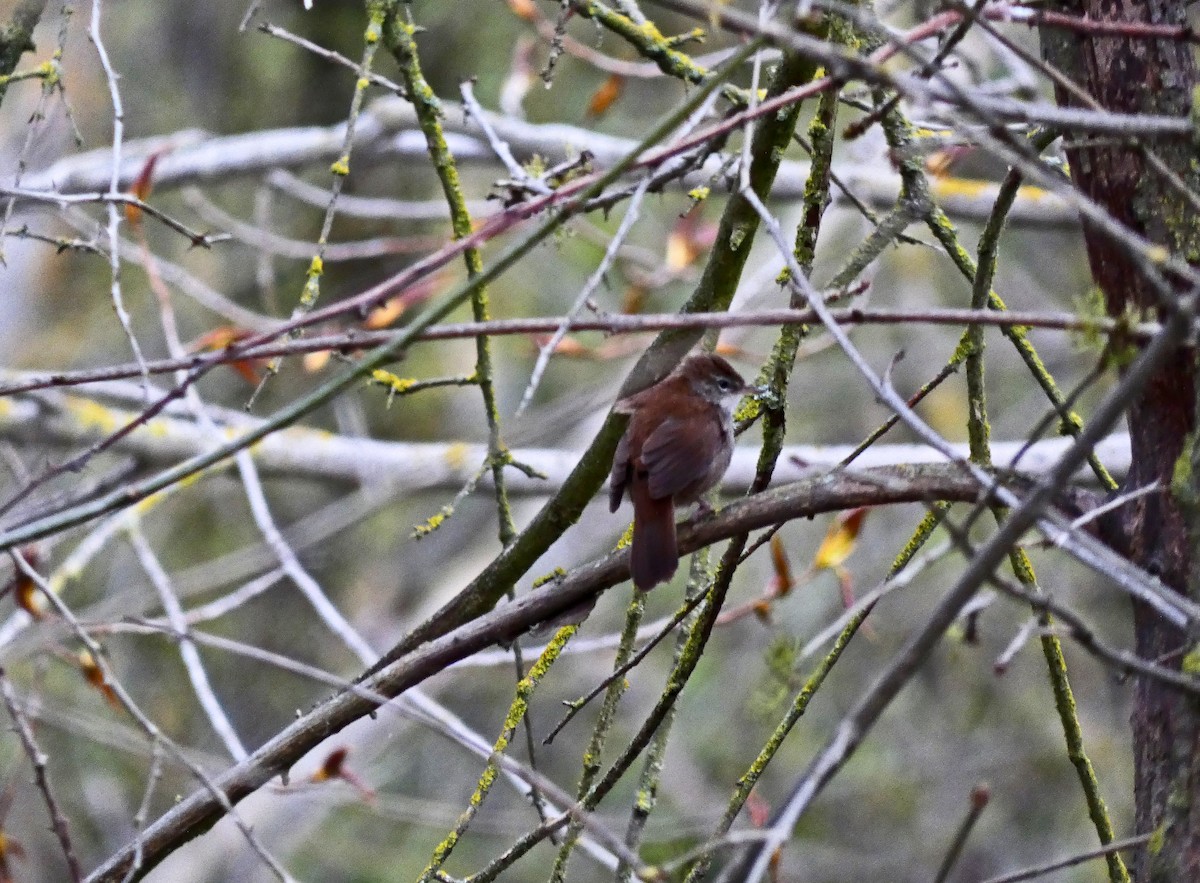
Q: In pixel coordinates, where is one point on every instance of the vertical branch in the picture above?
(1135, 75)
(604, 721)
(58, 822)
(114, 193)
(1022, 567)
(401, 41)
(816, 678)
(516, 712)
(340, 170)
(647, 788)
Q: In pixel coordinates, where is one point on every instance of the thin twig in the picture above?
(58, 821)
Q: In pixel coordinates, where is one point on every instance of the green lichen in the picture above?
(394, 383)
(748, 409)
(556, 574)
(431, 524)
(1181, 471)
(1190, 665)
(1157, 840)
(536, 166)
(50, 73)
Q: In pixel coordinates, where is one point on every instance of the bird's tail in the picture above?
(654, 555)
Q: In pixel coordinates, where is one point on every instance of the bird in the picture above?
(677, 446)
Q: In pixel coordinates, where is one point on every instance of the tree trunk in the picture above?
(1133, 75)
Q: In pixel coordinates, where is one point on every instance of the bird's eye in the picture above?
(725, 383)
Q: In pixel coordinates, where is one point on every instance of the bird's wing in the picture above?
(619, 477)
(677, 454)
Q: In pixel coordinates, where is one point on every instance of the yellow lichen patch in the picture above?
(432, 523)
(307, 434)
(626, 538)
(158, 428)
(456, 455)
(1191, 662)
(971, 188)
(1158, 254)
(145, 505)
(960, 187)
(396, 385)
(550, 577)
(93, 415)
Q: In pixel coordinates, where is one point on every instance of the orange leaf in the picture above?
(385, 314)
(9, 848)
(783, 581)
(732, 351)
(941, 162)
(93, 674)
(634, 299)
(335, 767)
(690, 238)
(27, 596)
(604, 97)
(141, 188)
(316, 360)
(568, 346)
(25, 590)
(839, 541)
(246, 370)
(332, 767)
(679, 252)
(524, 9)
(223, 336)
(219, 338)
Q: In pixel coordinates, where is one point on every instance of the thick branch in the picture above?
(196, 814)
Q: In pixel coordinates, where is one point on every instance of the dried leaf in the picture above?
(332, 766)
(219, 338)
(316, 360)
(604, 97)
(225, 335)
(141, 188)
(840, 540)
(783, 581)
(758, 810)
(524, 9)
(568, 346)
(634, 300)
(691, 237)
(335, 767)
(25, 591)
(385, 314)
(941, 162)
(93, 674)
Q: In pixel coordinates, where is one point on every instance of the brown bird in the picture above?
(677, 446)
